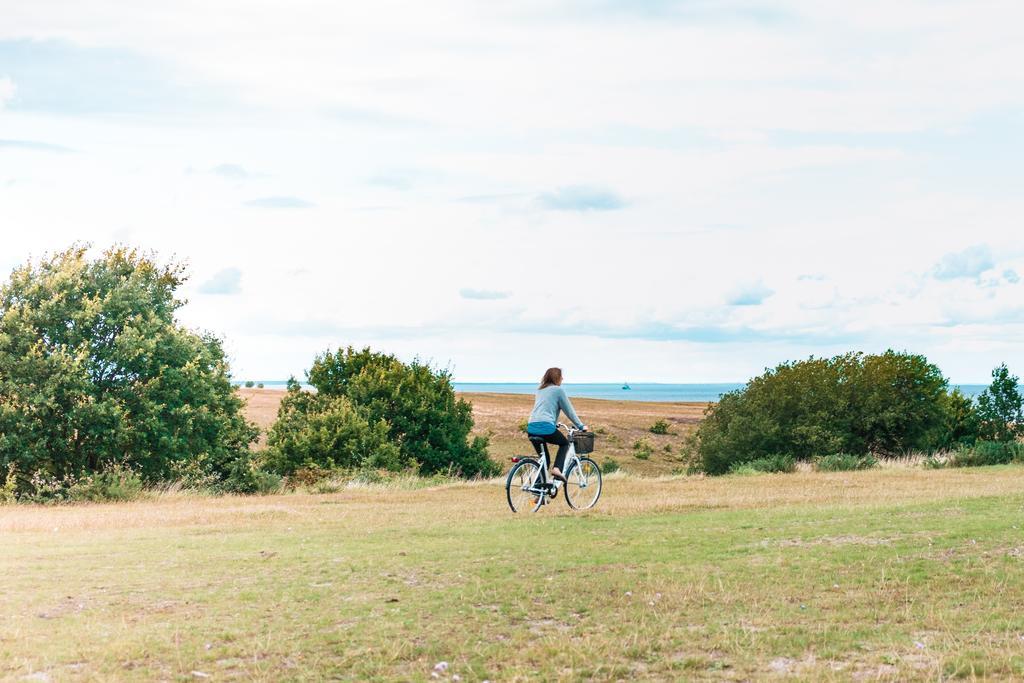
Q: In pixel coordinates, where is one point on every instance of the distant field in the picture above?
(624, 422)
(261, 407)
(893, 574)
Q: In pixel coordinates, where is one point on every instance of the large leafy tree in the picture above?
(1001, 407)
(94, 368)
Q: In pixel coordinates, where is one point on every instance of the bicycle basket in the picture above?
(584, 442)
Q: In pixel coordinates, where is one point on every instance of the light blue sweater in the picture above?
(546, 407)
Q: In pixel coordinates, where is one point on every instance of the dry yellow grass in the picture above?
(620, 424)
(483, 500)
(261, 407)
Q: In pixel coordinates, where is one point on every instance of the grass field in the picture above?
(887, 574)
(621, 425)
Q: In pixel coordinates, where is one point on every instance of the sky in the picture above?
(666, 191)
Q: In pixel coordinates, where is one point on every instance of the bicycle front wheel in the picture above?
(520, 486)
(583, 486)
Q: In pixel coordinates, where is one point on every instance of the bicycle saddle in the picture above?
(535, 439)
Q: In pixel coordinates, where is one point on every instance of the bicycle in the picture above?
(528, 482)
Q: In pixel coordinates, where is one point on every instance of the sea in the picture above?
(617, 392)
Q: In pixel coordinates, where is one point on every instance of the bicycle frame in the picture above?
(571, 458)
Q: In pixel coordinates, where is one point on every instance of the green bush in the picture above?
(642, 449)
(660, 427)
(608, 466)
(368, 475)
(115, 482)
(195, 474)
(46, 490)
(844, 462)
(250, 384)
(9, 486)
(523, 426)
(247, 477)
(310, 475)
(887, 404)
(766, 464)
(317, 431)
(1001, 408)
(774, 463)
(988, 453)
(94, 368)
(326, 486)
(415, 402)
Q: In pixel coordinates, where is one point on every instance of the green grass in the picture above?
(668, 579)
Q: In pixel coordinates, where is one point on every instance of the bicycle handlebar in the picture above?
(571, 430)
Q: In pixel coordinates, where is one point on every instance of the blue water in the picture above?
(637, 392)
(971, 390)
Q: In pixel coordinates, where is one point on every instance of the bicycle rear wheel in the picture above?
(519, 486)
(583, 486)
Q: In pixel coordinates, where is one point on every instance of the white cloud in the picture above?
(825, 70)
(755, 142)
(35, 146)
(280, 202)
(581, 198)
(227, 281)
(7, 90)
(231, 171)
(483, 294)
(751, 294)
(970, 262)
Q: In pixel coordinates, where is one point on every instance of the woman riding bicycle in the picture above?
(552, 399)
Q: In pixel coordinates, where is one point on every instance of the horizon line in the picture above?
(581, 384)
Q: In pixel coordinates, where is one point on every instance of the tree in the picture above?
(321, 430)
(854, 403)
(428, 422)
(94, 369)
(899, 402)
(1000, 407)
(962, 425)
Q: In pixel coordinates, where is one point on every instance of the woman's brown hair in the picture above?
(552, 376)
